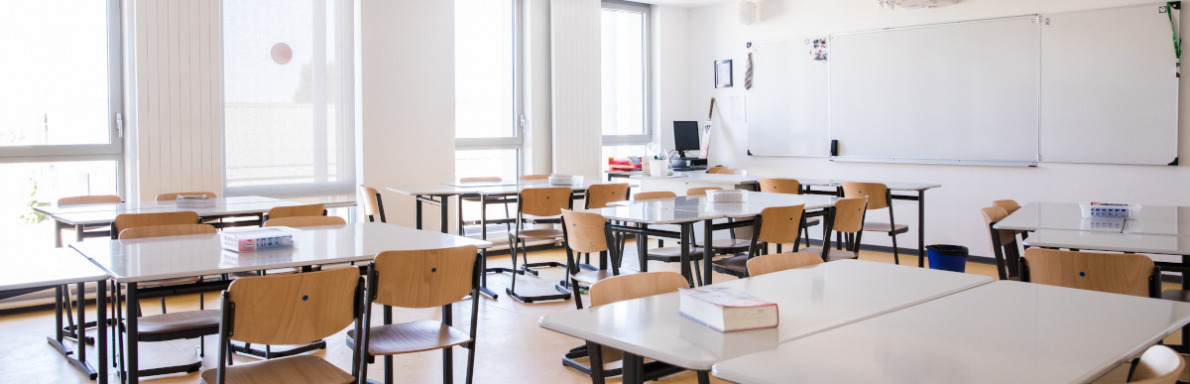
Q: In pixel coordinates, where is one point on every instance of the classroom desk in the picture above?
(685, 211)
(129, 262)
(440, 195)
(810, 300)
(1003, 332)
(58, 268)
(1067, 216)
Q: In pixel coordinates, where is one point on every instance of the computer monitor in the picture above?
(685, 137)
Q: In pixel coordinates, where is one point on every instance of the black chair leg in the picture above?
(704, 377)
(896, 252)
(448, 365)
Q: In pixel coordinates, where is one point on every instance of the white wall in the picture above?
(175, 114)
(952, 212)
(407, 81)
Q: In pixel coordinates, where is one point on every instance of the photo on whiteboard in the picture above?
(818, 49)
(723, 73)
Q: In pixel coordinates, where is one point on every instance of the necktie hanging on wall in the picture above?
(748, 73)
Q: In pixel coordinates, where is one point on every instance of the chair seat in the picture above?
(672, 254)
(592, 277)
(813, 222)
(730, 245)
(167, 282)
(886, 228)
(292, 369)
(835, 254)
(735, 266)
(544, 233)
(1176, 295)
(179, 322)
(413, 336)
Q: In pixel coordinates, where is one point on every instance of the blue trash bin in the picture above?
(947, 257)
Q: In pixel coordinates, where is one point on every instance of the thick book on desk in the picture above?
(726, 309)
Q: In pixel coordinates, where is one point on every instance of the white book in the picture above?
(727, 309)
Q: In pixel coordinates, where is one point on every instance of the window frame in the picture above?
(646, 64)
(517, 140)
(113, 150)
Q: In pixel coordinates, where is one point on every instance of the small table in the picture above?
(58, 268)
(810, 300)
(129, 262)
(1003, 332)
(1067, 216)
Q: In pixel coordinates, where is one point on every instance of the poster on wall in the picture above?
(723, 73)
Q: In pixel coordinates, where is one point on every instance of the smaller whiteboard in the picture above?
(787, 105)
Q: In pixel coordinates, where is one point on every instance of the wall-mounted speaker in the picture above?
(749, 11)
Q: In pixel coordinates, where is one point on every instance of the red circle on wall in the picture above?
(282, 53)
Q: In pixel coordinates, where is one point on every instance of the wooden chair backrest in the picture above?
(701, 191)
(305, 221)
(89, 199)
(790, 186)
(634, 286)
(654, 195)
(585, 231)
(296, 210)
(131, 220)
(1126, 274)
(479, 179)
(994, 215)
(167, 230)
(293, 309)
(535, 177)
(599, 195)
(1009, 206)
(720, 170)
(1158, 365)
(371, 204)
(779, 225)
(781, 261)
(876, 193)
(424, 278)
(544, 201)
(849, 214)
(173, 196)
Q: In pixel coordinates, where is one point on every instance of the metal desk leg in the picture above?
(78, 232)
(687, 234)
(921, 228)
(707, 252)
(633, 369)
(445, 223)
(417, 209)
(483, 277)
(642, 248)
(132, 366)
(81, 362)
(101, 329)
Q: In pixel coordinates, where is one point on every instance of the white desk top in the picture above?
(49, 268)
(482, 188)
(197, 255)
(1004, 332)
(1067, 216)
(684, 209)
(1160, 220)
(1106, 241)
(755, 202)
(702, 177)
(222, 207)
(810, 300)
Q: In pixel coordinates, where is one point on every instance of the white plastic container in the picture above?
(1108, 210)
(727, 196)
(255, 239)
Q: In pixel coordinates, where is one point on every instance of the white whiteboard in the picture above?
(1110, 90)
(788, 101)
(963, 92)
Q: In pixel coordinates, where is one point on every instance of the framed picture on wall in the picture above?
(723, 74)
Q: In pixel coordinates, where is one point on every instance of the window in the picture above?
(624, 69)
(58, 111)
(288, 97)
(487, 106)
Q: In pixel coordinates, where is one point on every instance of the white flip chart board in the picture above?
(788, 101)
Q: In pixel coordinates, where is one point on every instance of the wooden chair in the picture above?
(535, 177)
(792, 187)
(373, 205)
(420, 279)
(1158, 365)
(586, 233)
(701, 191)
(295, 210)
(131, 220)
(1009, 205)
(726, 246)
(878, 198)
(305, 221)
(775, 225)
(1126, 274)
(719, 170)
(629, 287)
(1003, 243)
(781, 261)
(654, 195)
(599, 195)
(483, 205)
(537, 206)
(88, 231)
(662, 253)
(849, 226)
(177, 325)
(173, 196)
(288, 309)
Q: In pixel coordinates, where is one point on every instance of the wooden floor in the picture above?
(512, 348)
